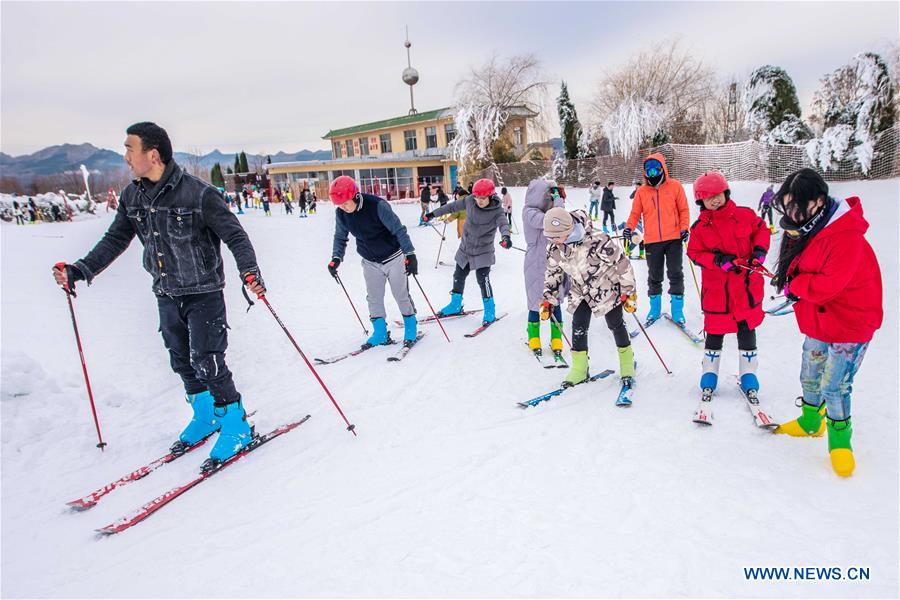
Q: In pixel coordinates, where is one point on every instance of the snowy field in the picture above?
(449, 490)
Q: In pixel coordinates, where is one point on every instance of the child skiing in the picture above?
(831, 272)
(484, 215)
(662, 204)
(608, 206)
(387, 254)
(541, 196)
(727, 242)
(764, 208)
(601, 283)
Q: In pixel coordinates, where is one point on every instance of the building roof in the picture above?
(393, 122)
(430, 155)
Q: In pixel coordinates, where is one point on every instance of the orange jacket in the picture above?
(664, 208)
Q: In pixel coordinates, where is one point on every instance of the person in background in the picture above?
(608, 206)
(595, 192)
(764, 208)
(425, 202)
(506, 202)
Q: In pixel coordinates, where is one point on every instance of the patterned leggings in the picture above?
(827, 374)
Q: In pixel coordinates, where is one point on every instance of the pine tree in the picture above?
(237, 163)
(245, 167)
(268, 159)
(770, 96)
(569, 126)
(215, 176)
(230, 171)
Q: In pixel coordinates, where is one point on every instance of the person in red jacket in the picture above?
(831, 272)
(662, 204)
(727, 242)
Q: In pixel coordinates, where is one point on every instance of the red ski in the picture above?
(157, 503)
(94, 497)
(485, 326)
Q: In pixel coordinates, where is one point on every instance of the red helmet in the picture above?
(709, 184)
(342, 189)
(483, 188)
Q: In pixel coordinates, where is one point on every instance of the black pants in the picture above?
(766, 212)
(581, 322)
(668, 253)
(746, 338)
(608, 214)
(195, 333)
(483, 275)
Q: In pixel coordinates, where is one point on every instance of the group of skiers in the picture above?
(825, 266)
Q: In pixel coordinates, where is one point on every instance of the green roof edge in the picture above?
(385, 123)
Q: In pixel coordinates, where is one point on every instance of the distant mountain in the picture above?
(69, 157)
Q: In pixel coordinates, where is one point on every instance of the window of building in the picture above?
(386, 142)
(363, 146)
(349, 146)
(336, 149)
(450, 132)
(517, 136)
(406, 185)
(431, 137)
(409, 137)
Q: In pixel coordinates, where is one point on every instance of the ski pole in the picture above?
(519, 249)
(694, 274)
(436, 318)
(561, 330)
(87, 381)
(644, 331)
(338, 278)
(441, 245)
(433, 228)
(350, 428)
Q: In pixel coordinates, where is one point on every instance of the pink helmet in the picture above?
(483, 188)
(342, 189)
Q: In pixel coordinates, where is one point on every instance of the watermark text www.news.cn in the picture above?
(806, 573)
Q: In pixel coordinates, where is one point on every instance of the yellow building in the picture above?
(395, 157)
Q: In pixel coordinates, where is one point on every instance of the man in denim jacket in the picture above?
(181, 220)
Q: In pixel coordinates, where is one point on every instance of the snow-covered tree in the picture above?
(632, 124)
(769, 98)
(793, 130)
(853, 104)
(569, 127)
(485, 100)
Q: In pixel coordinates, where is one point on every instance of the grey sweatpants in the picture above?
(394, 273)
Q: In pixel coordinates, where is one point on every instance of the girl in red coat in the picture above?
(829, 269)
(727, 242)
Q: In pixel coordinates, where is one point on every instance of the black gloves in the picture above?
(685, 234)
(412, 264)
(333, 266)
(429, 216)
(505, 242)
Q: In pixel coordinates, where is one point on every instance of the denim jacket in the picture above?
(180, 227)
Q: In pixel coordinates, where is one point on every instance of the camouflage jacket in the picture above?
(597, 267)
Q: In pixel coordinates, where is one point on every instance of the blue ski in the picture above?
(545, 397)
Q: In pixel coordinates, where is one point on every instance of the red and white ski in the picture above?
(485, 326)
(430, 318)
(157, 503)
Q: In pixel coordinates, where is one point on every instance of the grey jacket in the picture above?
(180, 221)
(476, 248)
(537, 203)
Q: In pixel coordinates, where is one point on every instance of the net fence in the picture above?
(741, 161)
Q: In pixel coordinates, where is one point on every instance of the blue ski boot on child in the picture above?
(490, 314)
(235, 433)
(380, 335)
(202, 425)
(410, 329)
(678, 309)
(655, 309)
(454, 308)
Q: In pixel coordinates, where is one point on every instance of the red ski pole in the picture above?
(438, 319)
(644, 331)
(338, 278)
(61, 266)
(350, 428)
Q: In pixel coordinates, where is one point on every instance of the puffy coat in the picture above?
(537, 203)
(664, 208)
(729, 297)
(838, 281)
(476, 248)
(609, 200)
(597, 268)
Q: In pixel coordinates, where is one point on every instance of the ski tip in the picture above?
(80, 505)
(702, 422)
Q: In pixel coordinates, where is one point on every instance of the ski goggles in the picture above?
(653, 168)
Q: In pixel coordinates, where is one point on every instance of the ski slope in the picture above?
(449, 489)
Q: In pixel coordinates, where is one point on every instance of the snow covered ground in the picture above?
(449, 490)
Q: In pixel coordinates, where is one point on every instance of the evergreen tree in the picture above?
(569, 126)
(268, 159)
(230, 171)
(245, 167)
(770, 96)
(237, 163)
(215, 176)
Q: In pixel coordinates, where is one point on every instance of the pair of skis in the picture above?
(556, 362)
(484, 325)
(554, 393)
(704, 414)
(396, 356)
(119, 525)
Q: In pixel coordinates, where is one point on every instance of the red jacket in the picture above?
(664, 208)
(838, 281)
(729, 297)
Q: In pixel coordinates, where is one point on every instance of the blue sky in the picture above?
(268, 76)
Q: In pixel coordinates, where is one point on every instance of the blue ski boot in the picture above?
(655, 308)
(203, 423)
(235, 434)
(678, 309)
(410, 328)
(455, 307)
(380, 335)
(489, 311)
